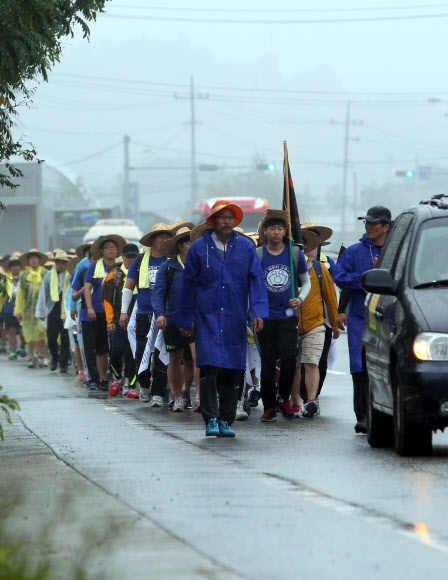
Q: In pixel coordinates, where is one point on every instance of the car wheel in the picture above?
(410, 438)
(380, 427)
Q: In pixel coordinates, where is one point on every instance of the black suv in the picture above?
(405, 337)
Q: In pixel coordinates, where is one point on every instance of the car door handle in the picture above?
(378, 315)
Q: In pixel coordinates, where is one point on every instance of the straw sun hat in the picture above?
(95, 248)
(169, 247)
(33, 252)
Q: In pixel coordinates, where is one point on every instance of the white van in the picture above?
(122, 227)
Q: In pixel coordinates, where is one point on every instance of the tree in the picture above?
(30, 45)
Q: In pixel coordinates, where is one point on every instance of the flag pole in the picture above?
(288, 207)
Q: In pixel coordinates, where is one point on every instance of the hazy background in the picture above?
(263, 73)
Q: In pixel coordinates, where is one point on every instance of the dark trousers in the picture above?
(119, 349)
(226, 382)
(55, 329)
(278, 339)
(322, 367)
(95, 340)
(359, 394)
(142, 326)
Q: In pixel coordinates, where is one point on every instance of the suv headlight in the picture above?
(431, 346)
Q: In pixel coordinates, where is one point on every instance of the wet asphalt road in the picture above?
(306, 498)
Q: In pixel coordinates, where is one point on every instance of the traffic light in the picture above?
(408, 173)
(266, 166)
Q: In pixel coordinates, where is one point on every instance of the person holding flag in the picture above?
(279, 336)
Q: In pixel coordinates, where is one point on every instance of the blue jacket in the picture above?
(350, 267)
(215, 293)
(160, 289)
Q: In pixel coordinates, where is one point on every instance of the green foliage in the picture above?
(7, 405)
(30, 45)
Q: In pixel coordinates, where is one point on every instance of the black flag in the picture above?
(296, 231)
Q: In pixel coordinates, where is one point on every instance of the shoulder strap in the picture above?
(169, 277)
(318, 269)
(259, 253)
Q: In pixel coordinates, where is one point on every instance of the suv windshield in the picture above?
(430, 259)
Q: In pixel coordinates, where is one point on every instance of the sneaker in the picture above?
(224, 429)
(171, 403)
(211, 428)
(131, 394)
(156, 401)
(114, 387)
(144, 394)
(269, 415)
(197, 405)
(361, 426)
(23, 351)
(246, 407)
(318, 407)
(63, 370)
(254, 397)
(309, 409)
(46, 362)
(12, 355)
(187, 400)
(53, 367)
(104, 385)
(178, 406)
(81, 375)
(32, 364)
(92, 385)
(40, 361)
(241, 414)
(285, 408)
(296, 410)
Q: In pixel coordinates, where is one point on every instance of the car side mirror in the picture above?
(379, 281)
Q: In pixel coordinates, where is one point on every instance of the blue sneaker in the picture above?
(12, 355)
(212, 429)
(23, 352)
(225, 430)
(309, 409)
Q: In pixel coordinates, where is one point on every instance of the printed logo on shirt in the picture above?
(277, 278)
(152, 273)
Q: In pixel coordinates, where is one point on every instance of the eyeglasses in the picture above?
(365, 222)
(230, 218)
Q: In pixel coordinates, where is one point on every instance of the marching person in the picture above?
(222, 275)
(13, 331)
(120, 348)
(278, 339)
(93, 319)
(357, 259)
(165, 299)
(142, 275)
(30, 281)
(50, 306)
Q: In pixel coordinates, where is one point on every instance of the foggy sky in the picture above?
(125, 81)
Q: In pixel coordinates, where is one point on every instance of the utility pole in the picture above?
(193, 170)
(345, 164)
(126, 171)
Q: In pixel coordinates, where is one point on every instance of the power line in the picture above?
(97, 154)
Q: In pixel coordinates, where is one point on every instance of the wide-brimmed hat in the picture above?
(310, 241)
(33, 252)
(240, 232)
(169, 247)
(272, 214)
(12, 259)
(198, 230)
(61, 255)
(179, 223)
(323, 232)
(119, 241)
(71, 264)
(80, 250)
(224, 204)
(159, 228)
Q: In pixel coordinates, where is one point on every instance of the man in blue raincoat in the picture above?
(350, 267)
(222, 278)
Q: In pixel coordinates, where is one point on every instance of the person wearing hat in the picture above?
(279, 337)
(30, 281)
(165, 299)
(13, 331)
(357, 259)
(93, 319)
(142, 275)
(50, 306)
(222, 275)
(120, 348)
(320, 303)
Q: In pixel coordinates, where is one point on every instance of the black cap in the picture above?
(378, 213)
(129, 250)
